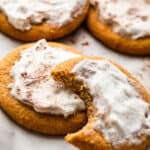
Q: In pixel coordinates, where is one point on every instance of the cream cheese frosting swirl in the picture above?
(128, 18)
(121, 114)
(22, 14)
(33, 85)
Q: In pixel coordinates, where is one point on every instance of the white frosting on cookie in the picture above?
(22, 14)
(34, 86)
(129, 18)
(121, 115)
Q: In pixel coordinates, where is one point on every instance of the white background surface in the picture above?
(13, 137)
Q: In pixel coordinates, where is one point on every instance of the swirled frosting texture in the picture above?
(129, 18)
(33, 85)
(22, 14)
(121, 115)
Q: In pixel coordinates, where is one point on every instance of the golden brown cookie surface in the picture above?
(88, 138)
(26, 116)
(113, 40)
(49, 32)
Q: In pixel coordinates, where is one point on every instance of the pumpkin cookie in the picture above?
(118, 106)
(121, 25)
(30, 96)
(33, 20)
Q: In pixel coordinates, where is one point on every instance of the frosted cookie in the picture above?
(33, 20)
(118, 105)
(122, 25)
(30, 96)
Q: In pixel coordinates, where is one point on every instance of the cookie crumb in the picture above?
(86, 43)
(73, 41)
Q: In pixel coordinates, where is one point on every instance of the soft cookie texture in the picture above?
(113, 40)
(44, 30)
(26, 116)
(88, 138)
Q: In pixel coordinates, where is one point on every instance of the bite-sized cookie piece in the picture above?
(30, 96)
(118, 105)
(122, 25)
(33, 20)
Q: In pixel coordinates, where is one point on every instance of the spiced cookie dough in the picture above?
(30, 96)
(33, 20)
(122, 25)
(118, 105)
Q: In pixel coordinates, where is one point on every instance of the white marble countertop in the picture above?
(13, 137)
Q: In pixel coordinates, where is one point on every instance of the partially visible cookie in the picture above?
(118, 106)
(122, 26)
(25, 83)
(31, 21)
